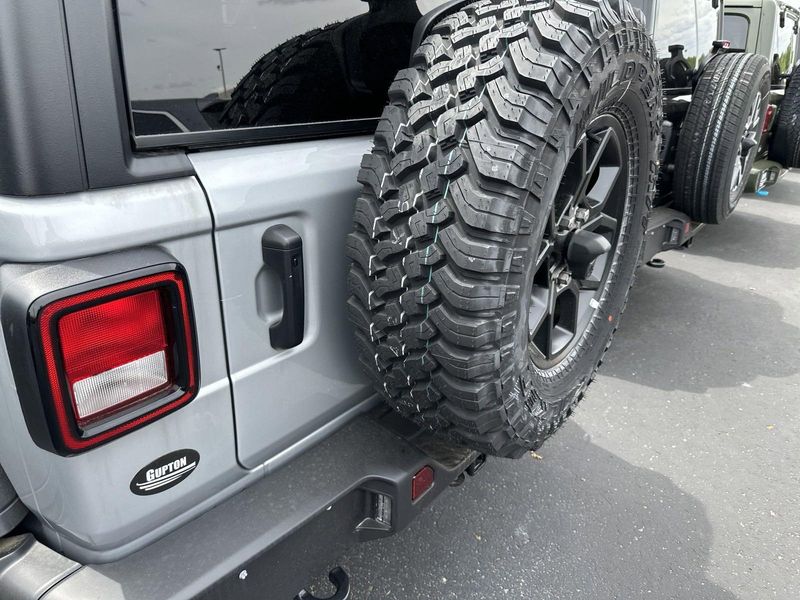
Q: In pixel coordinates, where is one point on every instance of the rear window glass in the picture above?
(735, 30)
(784, 48)
(200, 65)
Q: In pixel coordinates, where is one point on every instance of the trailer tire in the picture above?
(720, 135)
(510, 113)
(785, 144)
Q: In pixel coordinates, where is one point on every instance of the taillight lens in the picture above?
(116, 357)
(771, 108)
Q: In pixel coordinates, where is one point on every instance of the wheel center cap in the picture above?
(583, 248)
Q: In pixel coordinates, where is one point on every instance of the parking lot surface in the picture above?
(679, 475)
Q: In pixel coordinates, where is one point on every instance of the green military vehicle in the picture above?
(770, 28)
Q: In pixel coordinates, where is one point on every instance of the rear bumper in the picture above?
(268, 539)
(764, 173)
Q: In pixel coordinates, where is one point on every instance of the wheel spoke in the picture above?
(589, 285)
(543, 328)
(602, 143)
(601, 223)
(565, 203)
(564, 318)
(544, 253)
(601, 191)
(584, 149)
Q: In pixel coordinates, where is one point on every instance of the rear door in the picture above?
(282, 395)
(239, 86)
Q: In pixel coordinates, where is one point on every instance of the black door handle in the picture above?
(282, 248)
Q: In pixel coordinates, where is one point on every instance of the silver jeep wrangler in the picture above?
(275, 274)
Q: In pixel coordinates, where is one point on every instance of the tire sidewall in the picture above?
(724, 209)
(785, 145)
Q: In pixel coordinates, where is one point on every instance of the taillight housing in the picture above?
(112, 358)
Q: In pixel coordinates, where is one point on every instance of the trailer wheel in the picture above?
(785, 146)
(719, 138)
(502, 216)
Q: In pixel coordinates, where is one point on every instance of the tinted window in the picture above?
(194, 65)
(735, 30)
(707, 27)
(692, 25)
(683, 32)
(784, 47)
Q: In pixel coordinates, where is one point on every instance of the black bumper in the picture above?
(268, 540)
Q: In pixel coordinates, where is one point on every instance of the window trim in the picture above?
(268, 134)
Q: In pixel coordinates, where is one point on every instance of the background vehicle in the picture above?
(770, 28)
(714, 109)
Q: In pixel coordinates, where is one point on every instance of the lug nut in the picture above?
(581, 214)
(564, 278)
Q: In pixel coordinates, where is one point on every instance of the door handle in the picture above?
(282, 249)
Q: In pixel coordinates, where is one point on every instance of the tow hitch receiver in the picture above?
(337, 577)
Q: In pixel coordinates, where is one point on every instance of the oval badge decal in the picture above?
(165, 472)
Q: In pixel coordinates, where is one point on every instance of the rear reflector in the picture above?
(421, 482)
(116, 357)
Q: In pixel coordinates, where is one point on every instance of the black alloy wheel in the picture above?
(583, 232)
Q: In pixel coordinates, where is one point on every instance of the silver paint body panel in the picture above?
(270, 407)
(281, 396)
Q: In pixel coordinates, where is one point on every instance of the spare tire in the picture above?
(719, 138)
(502, 216)
(785, 145)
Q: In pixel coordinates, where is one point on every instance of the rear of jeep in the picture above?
(194, 209)
(174, 328)
(714, 110)
(770, 28)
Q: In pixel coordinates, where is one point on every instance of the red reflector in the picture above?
(768, 118)
(421, 482)
(123, 351)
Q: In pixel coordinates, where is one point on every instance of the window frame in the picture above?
(241, 136)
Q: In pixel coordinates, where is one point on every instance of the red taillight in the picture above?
(768, 119)
(116, 357)
(421, 482)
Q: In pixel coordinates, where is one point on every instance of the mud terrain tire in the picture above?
(456, 218)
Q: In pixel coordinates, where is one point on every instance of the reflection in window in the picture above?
(735, 30)
(783, 49)
(684, 33)
(195, 65)
(675, 26)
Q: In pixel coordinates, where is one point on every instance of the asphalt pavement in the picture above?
(679, 475)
